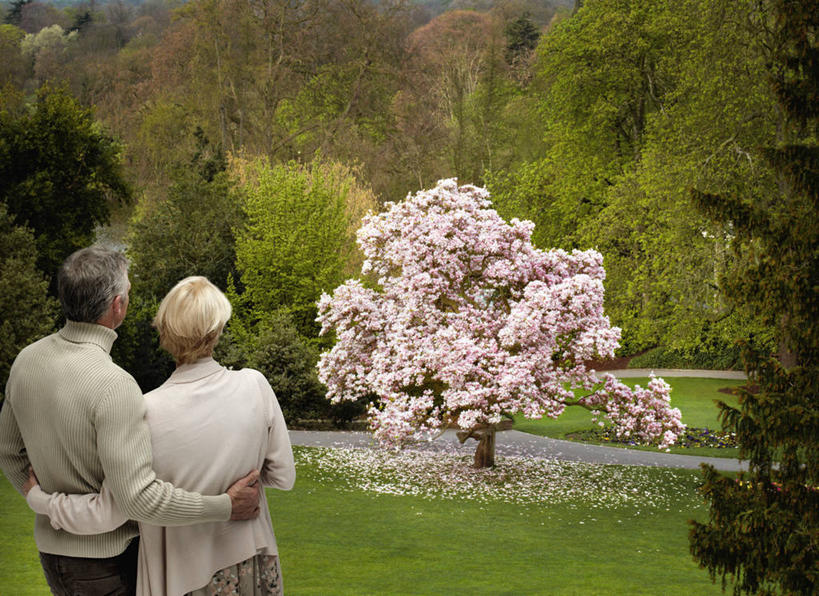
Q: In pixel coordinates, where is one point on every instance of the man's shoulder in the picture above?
(45, 343)
(33, 353)
(118, 374)
(90, 367)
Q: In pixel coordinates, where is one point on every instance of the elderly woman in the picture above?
(207, 424)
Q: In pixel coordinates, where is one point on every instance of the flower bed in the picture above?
(692, 437)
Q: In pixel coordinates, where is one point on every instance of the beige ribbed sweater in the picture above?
(78, 418)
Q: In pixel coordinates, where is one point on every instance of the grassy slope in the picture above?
(693, 396)
(335, 541)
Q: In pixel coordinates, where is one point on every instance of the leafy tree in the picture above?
(81, 19)
(285, 79)
(641, 101)
(14, 68)
(664, 258)
(763, 527)
(26, 311)
(467, 322)
(298, 238)
(188, 232)
(599, 75)
(47, 49)
(59, 173)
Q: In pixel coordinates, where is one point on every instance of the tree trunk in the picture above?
(485, 451)
(485, 436)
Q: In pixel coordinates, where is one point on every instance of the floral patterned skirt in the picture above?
(257, 576)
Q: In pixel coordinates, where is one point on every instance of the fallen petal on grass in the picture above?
(519, 480)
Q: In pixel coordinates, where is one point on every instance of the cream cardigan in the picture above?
(209, 426)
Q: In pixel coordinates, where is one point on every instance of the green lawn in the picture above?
(693, 396)
(337, 536)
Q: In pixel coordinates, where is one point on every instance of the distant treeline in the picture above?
(244, 140)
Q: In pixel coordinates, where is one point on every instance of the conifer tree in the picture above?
(763, 528)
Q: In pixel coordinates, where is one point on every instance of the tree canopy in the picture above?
(59, 173)
(640, 102)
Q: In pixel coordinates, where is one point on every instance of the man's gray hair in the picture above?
(89, 280)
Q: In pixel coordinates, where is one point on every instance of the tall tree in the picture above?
(763, 528)
(59, 173)
(187, 230)
(14, 67)
(47, 49)
(521, 38)
(450, 110)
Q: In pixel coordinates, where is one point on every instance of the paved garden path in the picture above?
(513, 442)
(625, 373)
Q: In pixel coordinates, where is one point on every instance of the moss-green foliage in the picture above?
(58, 172)
(189, 230)
(639, 102)
(26, 312)
(521, 38)
(718, 357)
(14, 68)
(298, 239)
(764, 530)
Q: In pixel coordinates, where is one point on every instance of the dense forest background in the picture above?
(244, 140)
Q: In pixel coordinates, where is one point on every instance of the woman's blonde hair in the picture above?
(190, 319)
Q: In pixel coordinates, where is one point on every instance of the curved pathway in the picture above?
(516, 443)
(626, 373)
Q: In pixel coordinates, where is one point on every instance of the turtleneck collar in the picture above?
(89, 333)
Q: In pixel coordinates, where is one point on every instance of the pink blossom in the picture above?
(462, 320)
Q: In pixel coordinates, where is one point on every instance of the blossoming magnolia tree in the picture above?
(469, 324)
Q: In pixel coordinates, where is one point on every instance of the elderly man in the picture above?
(78, 419)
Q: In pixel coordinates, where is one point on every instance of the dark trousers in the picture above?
(78, 576)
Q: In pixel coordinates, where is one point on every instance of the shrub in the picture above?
(727, 358)
(274, 347)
